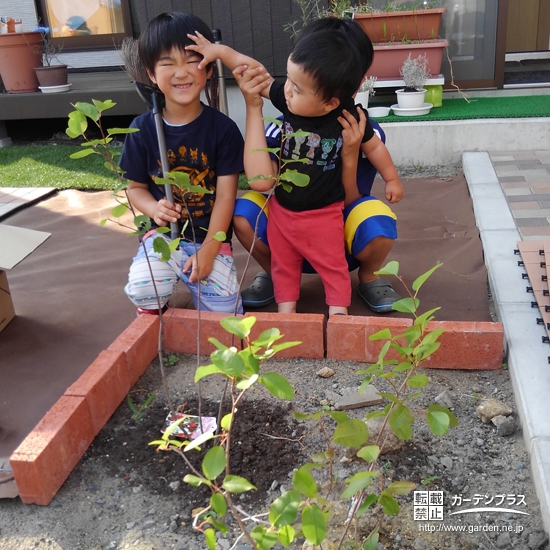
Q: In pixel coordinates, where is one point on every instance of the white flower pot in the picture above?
(363, 98)
(410, 100)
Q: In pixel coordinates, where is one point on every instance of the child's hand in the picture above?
(394, 191)
(210, 52)
(352, 132)
(199, 266)
(166, 212)
(252, 82)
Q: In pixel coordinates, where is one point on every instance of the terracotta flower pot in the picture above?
(388, 58)
(396, 26)
(54, 75)
(20, 53)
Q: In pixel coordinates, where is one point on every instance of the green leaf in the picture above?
(78, 123)
(418, 282)
(102, 223)
(238, 326)
(304, 416)
(215, 342)
(142, 222)
(418, 381)
(264, 539)
(314, 524)
(237, 484)
(284, 345)
(87, 109)
(438, 422)
(400, 487)
(218, 503)
(304, 483)
(352, 433)
(210, 537)
(198, 441)
(103, 105)
(369, 453)
(277, 385)
(213, 463)
(388, 503)
(219, 236)
(295, 177)
(161, 247)
(367, 503)
(403, 367)
(267, 337)
(251, 362)
(173, 244)
(406, 305)
(226, 421)
(426, 316)
(375, 414)
(453, 420)
(82, 153)
(71, 133)
(286, 535)
(219, 525)
(371, 542)
(391, 268)
(201, 372)
(119, 210)
(389, 397)
(401, 420)
(114, 131)
(228, 361)
(384, 334)
(298, 134)
(285, 509)
(193, 480)
(275, 121)
(338, 416)
(358, 482)
(247, 382)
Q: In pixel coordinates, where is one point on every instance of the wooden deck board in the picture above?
(115, 85)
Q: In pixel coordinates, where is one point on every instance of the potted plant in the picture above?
(396, 24)
(51, 75)
(20, 53)
(366, 89)
(414, 73)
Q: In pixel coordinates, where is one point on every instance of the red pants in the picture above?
(317, 236)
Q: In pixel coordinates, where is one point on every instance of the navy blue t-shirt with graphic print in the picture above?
(206, 148)
(321, 148)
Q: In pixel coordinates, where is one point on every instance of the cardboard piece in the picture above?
(16, 243)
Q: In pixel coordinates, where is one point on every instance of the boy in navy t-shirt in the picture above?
(205, 144)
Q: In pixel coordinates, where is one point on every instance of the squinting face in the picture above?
(178, 77)
(301, 97)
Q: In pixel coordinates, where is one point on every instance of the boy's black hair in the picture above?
(337, 53)
(167, 31)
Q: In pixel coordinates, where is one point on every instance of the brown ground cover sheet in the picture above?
(70, 303)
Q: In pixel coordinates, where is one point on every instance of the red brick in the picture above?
(104, 384)
(181, 329)
(346, 338)
(46, 457)
(467, 345)
(397, 325)
(307, 328)
(140, 344)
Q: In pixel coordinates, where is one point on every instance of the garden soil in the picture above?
(124, 494)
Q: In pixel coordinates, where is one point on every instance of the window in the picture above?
(86, 24)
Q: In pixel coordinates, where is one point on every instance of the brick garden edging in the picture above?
(47, 456)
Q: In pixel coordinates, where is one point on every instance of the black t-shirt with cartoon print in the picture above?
(321, 148)
(208, 147)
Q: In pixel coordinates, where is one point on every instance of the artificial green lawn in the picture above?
(51, 166)
(483, 107)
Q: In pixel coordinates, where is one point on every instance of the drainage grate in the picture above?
(534, 255)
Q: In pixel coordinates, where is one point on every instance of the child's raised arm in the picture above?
(256, 159)
(228, 56)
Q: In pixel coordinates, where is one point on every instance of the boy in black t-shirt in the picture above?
(205, 144)
(323, 72)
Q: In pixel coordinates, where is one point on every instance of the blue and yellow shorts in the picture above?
(364, 220)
